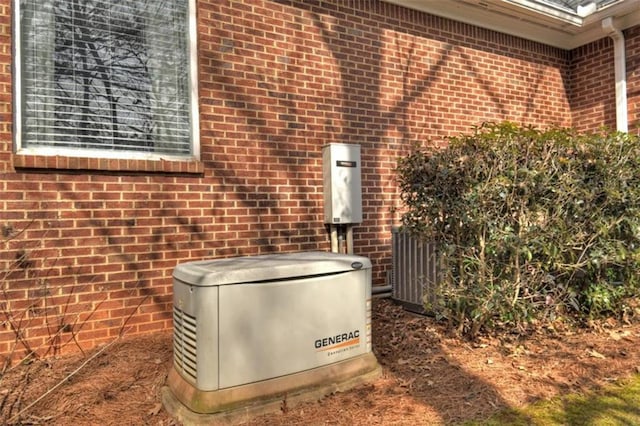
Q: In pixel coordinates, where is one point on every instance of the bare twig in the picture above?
(56, 323)
(61, 382)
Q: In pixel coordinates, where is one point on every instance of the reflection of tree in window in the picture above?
(101, 77)
(106, 75)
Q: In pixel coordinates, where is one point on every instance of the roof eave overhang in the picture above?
(530, 20)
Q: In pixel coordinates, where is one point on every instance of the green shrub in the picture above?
(531, 226)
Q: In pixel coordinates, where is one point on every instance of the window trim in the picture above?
(19, 150)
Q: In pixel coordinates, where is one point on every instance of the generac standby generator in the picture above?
(263, 328)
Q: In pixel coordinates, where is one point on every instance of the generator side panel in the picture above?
(195, 334)
(274, 329)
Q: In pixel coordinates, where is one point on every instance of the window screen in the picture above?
(105, 75)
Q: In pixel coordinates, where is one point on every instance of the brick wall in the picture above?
(5, 87)
(592, 83)
(632, 38)
(92, 243)
(592, 86)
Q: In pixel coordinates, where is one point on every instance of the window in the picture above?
(106, 78)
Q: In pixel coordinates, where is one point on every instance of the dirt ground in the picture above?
(429, 377)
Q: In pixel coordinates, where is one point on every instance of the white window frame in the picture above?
(107, 154)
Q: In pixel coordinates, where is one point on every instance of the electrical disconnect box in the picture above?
(341, 170)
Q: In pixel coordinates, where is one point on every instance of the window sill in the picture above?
(58, 162)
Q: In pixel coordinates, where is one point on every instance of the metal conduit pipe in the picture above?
(620, 73)
(381, 291)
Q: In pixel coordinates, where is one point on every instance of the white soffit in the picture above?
(544, 21)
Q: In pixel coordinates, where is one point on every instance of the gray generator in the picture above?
(243, 325)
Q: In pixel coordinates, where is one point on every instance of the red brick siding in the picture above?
(592, 86)
(278, 80)
(5, 88)
(592, 83)
(632, 39)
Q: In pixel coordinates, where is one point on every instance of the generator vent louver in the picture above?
(184, 343)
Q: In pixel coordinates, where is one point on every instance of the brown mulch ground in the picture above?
(429, 377)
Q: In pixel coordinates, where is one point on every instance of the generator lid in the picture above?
(265, 268)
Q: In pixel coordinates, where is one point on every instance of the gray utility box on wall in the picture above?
(341, 171)
(243, 325)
